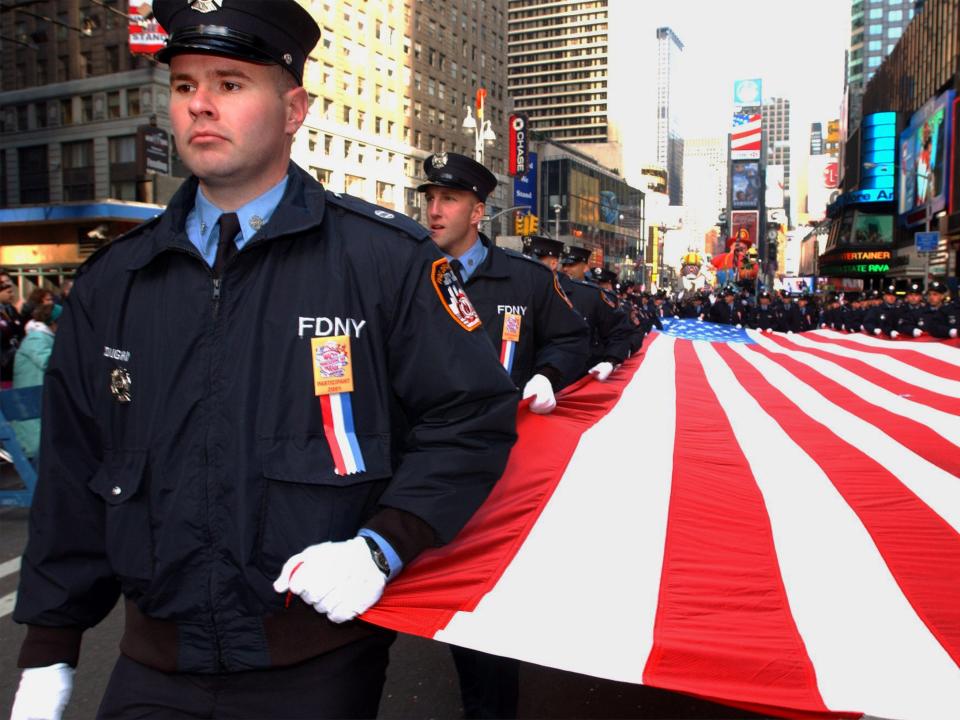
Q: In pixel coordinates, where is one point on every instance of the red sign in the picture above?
(831, 175)
(518, 145)
(146, 35)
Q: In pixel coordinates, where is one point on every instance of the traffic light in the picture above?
(519, 222)
(534, 225)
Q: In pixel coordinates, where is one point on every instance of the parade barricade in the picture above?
(19, 404)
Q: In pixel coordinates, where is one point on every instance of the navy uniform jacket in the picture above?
(609, 326)
(809, 317)
(185, 454)
(731, 314)
(910, 317)
(851, 318)
(764, 318)
(509, 287)
(788, 317)
(883, 317)
(939, 321)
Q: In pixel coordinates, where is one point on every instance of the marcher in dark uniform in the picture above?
(911, 312)
(728, 311)
(764, 318)
(882, 319)
(851, 313)
(788, 314)
(831, 317)
(809, 316)
(940, 319)
(11, 327)
(260, 406)
(610, 332)
(543, 345)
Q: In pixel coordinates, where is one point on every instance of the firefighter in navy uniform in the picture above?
(788, 314)
(882, 319)
(764, 317)
(910, 317)
(186, 463)
(809, 316)
(728, 311)
(610, 332)
(851, 313)
(542, 341)
(940, 318)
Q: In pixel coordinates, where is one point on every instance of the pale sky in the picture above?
(795, 46)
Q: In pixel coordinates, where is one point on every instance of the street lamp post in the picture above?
(481, 129)
(556, 220)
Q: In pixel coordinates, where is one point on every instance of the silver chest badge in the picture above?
(439, 160)
(205, 6)
(120, 383)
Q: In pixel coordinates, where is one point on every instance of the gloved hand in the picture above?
(917, 332)
(739, 326)
(43, 693)
(894, 334)
(337, 578)
(823, 325)
(876, 331)
(953, 332)
(544, 402)
(601, 371)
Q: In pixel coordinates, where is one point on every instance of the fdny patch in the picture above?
(607, 299)
(332, 369)
(452, 295)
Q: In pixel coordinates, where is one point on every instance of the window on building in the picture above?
(345, 114)
(40, 113)
(133, 102)
(875, 45)
(23, 117)
(322, 174)
(876, 29)
(66, 111)
(86, 64)
(112, 53)
(895, 15)
(63, 68)
(348, 149)
(385, 193)
(86, 108)
(874, 61)
(76, 158)
(876, 13)
(34, 174)
(123, 167)
(354, 185)
(327, 144)
(894, 33)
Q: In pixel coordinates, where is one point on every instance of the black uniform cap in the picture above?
(890, 289)
(729, 291)
(915, 287)
(460, 172)
(600, 275)
(267, 32)
(576, 255)
(937, 287)
(765, 295)
(542, 246)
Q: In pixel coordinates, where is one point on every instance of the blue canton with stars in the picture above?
(692, 329)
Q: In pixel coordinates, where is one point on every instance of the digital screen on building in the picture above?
(924, 159)
(745, 185)
(878, 152)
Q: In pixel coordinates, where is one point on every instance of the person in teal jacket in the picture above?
(29, 366)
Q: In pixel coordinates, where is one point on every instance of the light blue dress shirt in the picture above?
(472, 258)
(202, 228)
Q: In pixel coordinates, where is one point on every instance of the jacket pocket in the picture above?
(121, 483)
(304, 502)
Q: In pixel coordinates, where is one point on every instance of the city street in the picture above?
(421, 681)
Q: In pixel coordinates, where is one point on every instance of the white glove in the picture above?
(953, 332)
(876, 331)
(337, 578)
(602, 371)
(789, 332)
(544, 402)
(894, 334)
(739, 326)
(43, 693)
(823, 325)
(917, 332)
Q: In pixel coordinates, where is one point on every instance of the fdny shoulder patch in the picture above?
(452, 295)
(605, 296)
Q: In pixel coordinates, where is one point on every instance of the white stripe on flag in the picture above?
(552, 582)
(940, 351)
(870, 651)
(890, 365)
(942, 423)
(936, 487)
(340, 431)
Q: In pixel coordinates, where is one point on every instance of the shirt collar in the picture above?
(472, 258)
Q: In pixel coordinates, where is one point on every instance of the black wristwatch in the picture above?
(379, 558)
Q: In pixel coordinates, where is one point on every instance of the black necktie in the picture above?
(226, 247)
(457, 267)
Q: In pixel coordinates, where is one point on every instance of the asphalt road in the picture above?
(421, 681)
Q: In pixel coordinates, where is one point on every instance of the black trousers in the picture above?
(343, 683)
(489, 684)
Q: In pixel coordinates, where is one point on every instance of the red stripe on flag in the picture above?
(897, 351)
(723, 628)
(914, 435)
(919, 546)
(326, 412)
(454, 578)
(888, 382)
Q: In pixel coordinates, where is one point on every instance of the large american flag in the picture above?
(766, 520)
(745, 135)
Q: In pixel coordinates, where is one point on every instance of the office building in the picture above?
(669, 137)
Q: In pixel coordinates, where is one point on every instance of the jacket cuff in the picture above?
(407, 534)
(45, 646)
(551, 374)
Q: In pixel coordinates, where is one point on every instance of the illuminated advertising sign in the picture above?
(822, 173)
(924, 159)
(518, 145)
(525, 186)
(878, 151)
(856, 263)
(145, 34)
(749, 220)
(745, 185)
(775, 180)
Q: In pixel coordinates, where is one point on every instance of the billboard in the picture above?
(145, 34)
(584, 198)
(748, 92)
(823, 175)
(749, 220)
(518, 145)
(745, 185)
(774, 196)
(525, 186)
(924, 159)
(746, 139)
